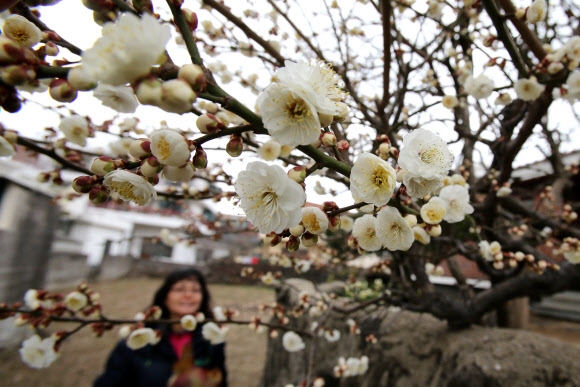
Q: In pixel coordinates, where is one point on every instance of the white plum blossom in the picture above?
(119, 98)
(315, 79)
(22, 31)
(6, 149)
(292, 342)
(130, 187)
(39, 353)
(456, 197)
(528, 89)
(169, 147)
(140, 338)
(393, 230)
(418, 187)
(572, 48)
(75, 129)
(434, 211)
(183, 173)
(450, 101)
(489, 250)
(365, 232)
(289, 116)
(536, 12)
(270, 199)
(219, 314)
(480, 87)
(127, 49)
(76, 301)
(270, 150)
(269, 279)
(332, 335)
(425, 154)
(213, 333)
(372, 180)
(363, 365)
(314, 220)
(188, 322)
(421, 235)
(167, 238)
(503, 192)
(352, 366)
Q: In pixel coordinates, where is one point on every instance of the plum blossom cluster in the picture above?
(352, 366)
(306, 97)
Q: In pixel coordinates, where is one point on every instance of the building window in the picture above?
(153, 248)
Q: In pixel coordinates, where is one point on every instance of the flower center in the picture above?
(380, 178)
(269, 198)
(125, 190)
(20, 36)
(431, 156)
(297, 109)
(163, 147)
(312, 221)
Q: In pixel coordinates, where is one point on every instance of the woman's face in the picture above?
(184, 298)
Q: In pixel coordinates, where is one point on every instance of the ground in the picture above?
(83, 357)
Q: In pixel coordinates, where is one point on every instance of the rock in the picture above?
(419, 350)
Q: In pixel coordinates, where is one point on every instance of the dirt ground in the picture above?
(83, 357)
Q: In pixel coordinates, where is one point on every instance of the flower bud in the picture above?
(81, 79)
(325, 119)
(343, 112)
(143, 5)
(193, 74)
(98, 5)
(297, 230)
(334, 223)
(83, 184)
(10, 51)
(51, 49)
(298, 174)
(352, 242)
(61, 90)
(140, 149)
(183, 173)
(235, 146)
(16, 75)
(150, 167)
(342, 145)
(308, 240)
(177, 96)
(329, 206)
(293, 243)
(272, 239)
(148, 92)
(411, 219)
(200, 159)
(434, 230)
(208, 123)
(191, 18)
(103, 165)
(328, 139)
(99, 195)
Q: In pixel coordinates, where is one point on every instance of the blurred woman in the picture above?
(181, 358)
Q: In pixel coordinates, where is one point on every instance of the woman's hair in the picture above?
(180, 275)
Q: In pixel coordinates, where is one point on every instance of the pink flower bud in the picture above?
(150, 167)
(235, 146)
(10, 51)
(208, 123)
(60, 90)
(51, 49)
(328, 139)
(334, 223)
(308, 240)
(394, 152)
(83, 184)
(293, 243)
(102, 166)
(272, 239)
(99, 195)
(352, 242)
(342, 145)
(140, 149)
(200, 159)
(191, 18)
(298, 174)
(153, 180)
(193, 74)
(329, 206)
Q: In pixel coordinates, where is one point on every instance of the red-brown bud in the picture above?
(99, 195)
(235, 146)
(293, 243)
(342, 145)
(60, 90)
(200, 159)
(83, 184)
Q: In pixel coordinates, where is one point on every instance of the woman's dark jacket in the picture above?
(152, 366)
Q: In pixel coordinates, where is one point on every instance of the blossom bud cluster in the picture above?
(351, 367)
